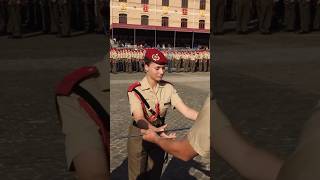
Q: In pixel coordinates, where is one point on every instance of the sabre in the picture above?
(169, 130)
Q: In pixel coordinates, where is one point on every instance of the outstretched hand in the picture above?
(169, 136)
(160, 129)
(149, 135)
(152, 136)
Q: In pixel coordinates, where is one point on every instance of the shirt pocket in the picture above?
(166, 104)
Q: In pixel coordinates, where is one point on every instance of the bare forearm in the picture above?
(260, 165)
(250, 161)
(187, 111)
(91, 164)
(178, 148)
(192, 114)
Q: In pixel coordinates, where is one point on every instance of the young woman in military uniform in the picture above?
(149, 100)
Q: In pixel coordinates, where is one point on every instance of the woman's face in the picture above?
(155, 71)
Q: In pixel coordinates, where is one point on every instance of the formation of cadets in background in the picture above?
(61, 17)
(182, 60)
(301, 16)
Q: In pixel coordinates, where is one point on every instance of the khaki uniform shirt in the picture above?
(112, 54)
(165, 93)
(199, 134)
(81, 132)
(165, 54)
(177, 56)
(122, 54)
(136, 55)
(192, 57)
(185, 56)
(116, 55)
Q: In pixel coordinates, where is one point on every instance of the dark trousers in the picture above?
(316, 22)
(14, 21)
(178, 64)
(186, 65)
(304, 15)
(265, 10)
(54, 17)
(290, 15)
(141, 65)
(169, 65)
(137, 65)
(113, 66)
(145, 159)
(218, 15)
(205, 65)
(65, 17)
(99, 17)
(88, 15)
(200, 65)
(242, 15)
(45, 16)
(3, 16)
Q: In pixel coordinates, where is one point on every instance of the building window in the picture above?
(122, 0)
(165, 2)
(144, 1)
(184, 3)
(165, 21)
(201, 24)
(123, 18)
(144, 20)
(202, 4)
(184, 23)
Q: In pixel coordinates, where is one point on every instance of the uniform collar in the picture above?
(145, 84)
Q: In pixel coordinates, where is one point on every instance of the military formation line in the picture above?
(183, 60)
(301, 16)
(20, 18)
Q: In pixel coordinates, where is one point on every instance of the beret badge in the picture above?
(155, 57)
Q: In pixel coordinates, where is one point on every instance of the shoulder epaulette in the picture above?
(134, 85)
(64, 88)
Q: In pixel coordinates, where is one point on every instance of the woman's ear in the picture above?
(146, 68)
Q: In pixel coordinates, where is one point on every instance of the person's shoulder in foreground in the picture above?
(199, 134)
(82, 101)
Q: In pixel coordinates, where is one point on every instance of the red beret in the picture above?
(156, 56)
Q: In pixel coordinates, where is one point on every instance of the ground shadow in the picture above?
(121, 172)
